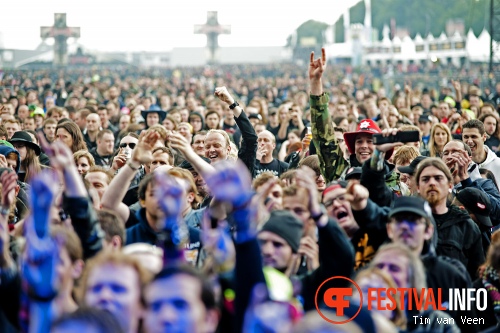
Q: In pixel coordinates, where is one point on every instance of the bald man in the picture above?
(266, 143)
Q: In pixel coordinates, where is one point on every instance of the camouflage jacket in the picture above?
(331, 160)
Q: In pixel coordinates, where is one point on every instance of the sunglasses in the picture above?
(131, 145)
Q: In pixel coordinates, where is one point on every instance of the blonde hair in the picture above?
(405, 154)
(117, 259)
(416, 271)
(432, 145)
(84, 153)
(223, 133)
(399, 318)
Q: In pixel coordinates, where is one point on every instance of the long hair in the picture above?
(76, 135)
(31, 164)
(433, 149)
(399, 316)
(416, 271)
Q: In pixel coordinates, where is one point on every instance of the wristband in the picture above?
(5, 211)
(42, 299)
(320, 215)
(131, 166)
(377, 160)
(232, 106)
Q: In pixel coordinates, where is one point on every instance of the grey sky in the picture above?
(154, 25)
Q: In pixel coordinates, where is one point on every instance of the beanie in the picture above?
(287, 226)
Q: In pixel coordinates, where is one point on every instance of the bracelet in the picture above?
(4, 211)
(377, 160)
(132, 166)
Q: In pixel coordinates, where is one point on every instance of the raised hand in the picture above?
(60, 155)
(44, 188)
(41, 255)
(218, 243)
(306, 178)
(9, 185)
(231, 183)
(408, 88)
(357, 195)
(310, 249)
(119, 160)
(388, 146)
(3, 162)
(224, 95)
(170, 192)
(39, 261)
(179, 142)
(317, 66)
(143, 152)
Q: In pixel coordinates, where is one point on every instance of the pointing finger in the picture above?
(323, 55)
(311, 61)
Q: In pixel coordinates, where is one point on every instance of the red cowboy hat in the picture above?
(365, 126)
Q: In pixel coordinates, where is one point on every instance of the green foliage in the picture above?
(310, 28)
(420, 16)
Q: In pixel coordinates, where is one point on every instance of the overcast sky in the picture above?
(154, 25)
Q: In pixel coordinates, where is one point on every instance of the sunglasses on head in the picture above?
(131, 145)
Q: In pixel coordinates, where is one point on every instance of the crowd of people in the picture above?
(221, 202)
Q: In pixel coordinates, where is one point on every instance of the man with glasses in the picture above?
(365, 241)
(126, 147)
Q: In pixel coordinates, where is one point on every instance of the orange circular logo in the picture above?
(337, 299)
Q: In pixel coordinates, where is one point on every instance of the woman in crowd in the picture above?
(373, 278)
(70, 134)
(84, 161)
(440, 136)
(212, 120)
(29, 152)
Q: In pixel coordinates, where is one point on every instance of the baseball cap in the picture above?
(415, 205)
(254, 116)
(477, 203)
(410, 169)
(353, 173)
(425, 118)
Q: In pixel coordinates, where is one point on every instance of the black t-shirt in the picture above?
(230, 129)
(277, 167)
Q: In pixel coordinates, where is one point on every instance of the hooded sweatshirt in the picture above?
(197, 114)
(459, 237)
(6, 150)
(492, 163)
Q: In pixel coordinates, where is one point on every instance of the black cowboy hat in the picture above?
(25, 138)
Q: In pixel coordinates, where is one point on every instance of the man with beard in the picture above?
(458, 236)
(474, 135)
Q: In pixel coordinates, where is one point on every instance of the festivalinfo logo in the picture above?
(338, 300)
